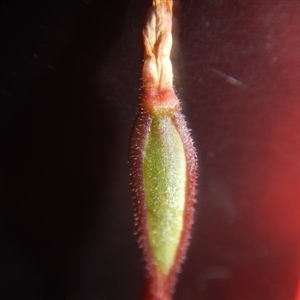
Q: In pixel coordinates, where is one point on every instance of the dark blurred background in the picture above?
(70, 85)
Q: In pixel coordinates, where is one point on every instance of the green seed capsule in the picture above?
(163, 162)
(164, 170)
